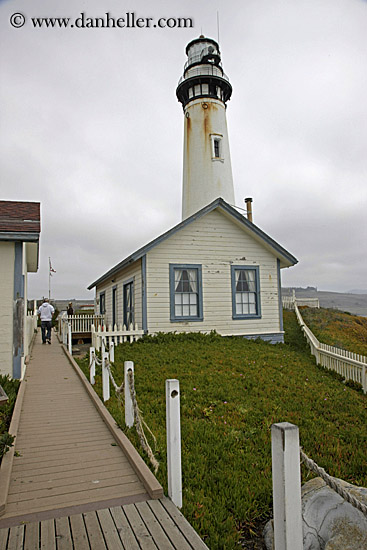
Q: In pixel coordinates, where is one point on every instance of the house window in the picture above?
(186, 293)
(245, 292)
(114, 306)
(129, 317)
(102, 303)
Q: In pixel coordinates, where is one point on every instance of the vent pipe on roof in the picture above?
(248, 202)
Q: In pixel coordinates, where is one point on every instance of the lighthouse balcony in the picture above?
(203, 86)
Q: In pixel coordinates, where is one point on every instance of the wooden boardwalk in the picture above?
(151, 525)
(65, 454)
(75, 481)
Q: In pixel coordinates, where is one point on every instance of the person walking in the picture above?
(45, 313)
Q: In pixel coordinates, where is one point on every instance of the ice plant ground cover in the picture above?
(337, 328)
(232, 391)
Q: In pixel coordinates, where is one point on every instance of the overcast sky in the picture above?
(91, 128)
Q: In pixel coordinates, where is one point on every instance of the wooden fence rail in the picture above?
(115, 334)
(348, 364)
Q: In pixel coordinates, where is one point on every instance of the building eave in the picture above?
(24, 236)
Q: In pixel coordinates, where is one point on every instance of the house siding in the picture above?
(119, 279)
(216, 243)
(7, 255)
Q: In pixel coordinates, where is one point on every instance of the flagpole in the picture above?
(49, 278)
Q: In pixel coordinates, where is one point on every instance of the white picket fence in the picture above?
(30, 329)
(116, 334)
(351, 366)
(80, 323)
(289, 301)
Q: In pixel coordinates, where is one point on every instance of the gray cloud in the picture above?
(92, 129)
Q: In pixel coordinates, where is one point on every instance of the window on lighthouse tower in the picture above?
(217, 152)
(216, 148)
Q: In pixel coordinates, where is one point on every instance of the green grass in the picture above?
(337, 328)
(10, 387)
(232, 391)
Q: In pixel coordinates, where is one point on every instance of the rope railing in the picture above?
(139, 421)
(333, 483)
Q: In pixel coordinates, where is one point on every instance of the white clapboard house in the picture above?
(213, 271)
(216, 270)
(20, 228)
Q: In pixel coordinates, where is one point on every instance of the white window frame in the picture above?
(219, 139)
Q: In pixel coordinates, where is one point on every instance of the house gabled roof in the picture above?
(286, 259)
(20, 220)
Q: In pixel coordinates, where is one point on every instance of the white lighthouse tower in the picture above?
(203, 91)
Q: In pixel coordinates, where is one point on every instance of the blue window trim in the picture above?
(100, 302)
(173, 317)
(280, 296)
(114, 305)
(144, 293)
(258, 301)
(127, 282)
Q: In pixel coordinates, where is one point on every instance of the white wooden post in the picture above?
(173, 442)
(64, 332)
(287, 507)
(70, 344)
(129, 408)
(92, 362)
(112, 351)
(105, 377)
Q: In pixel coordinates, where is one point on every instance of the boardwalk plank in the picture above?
(141, 532)
(109, 530)
(35, 492)
(79, 532)
(76, 434)
(29, 459)
(4, 533)
(170, 527)
(17, 508)
(64, 471)
(32, 536)
(184, 526)
(95, 536)
(159, 536)
(22, 486)
(63, 534)
(81, 458)
(16, 537)
(124, 529)
(48, 541)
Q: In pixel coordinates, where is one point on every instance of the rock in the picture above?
(329, 522)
